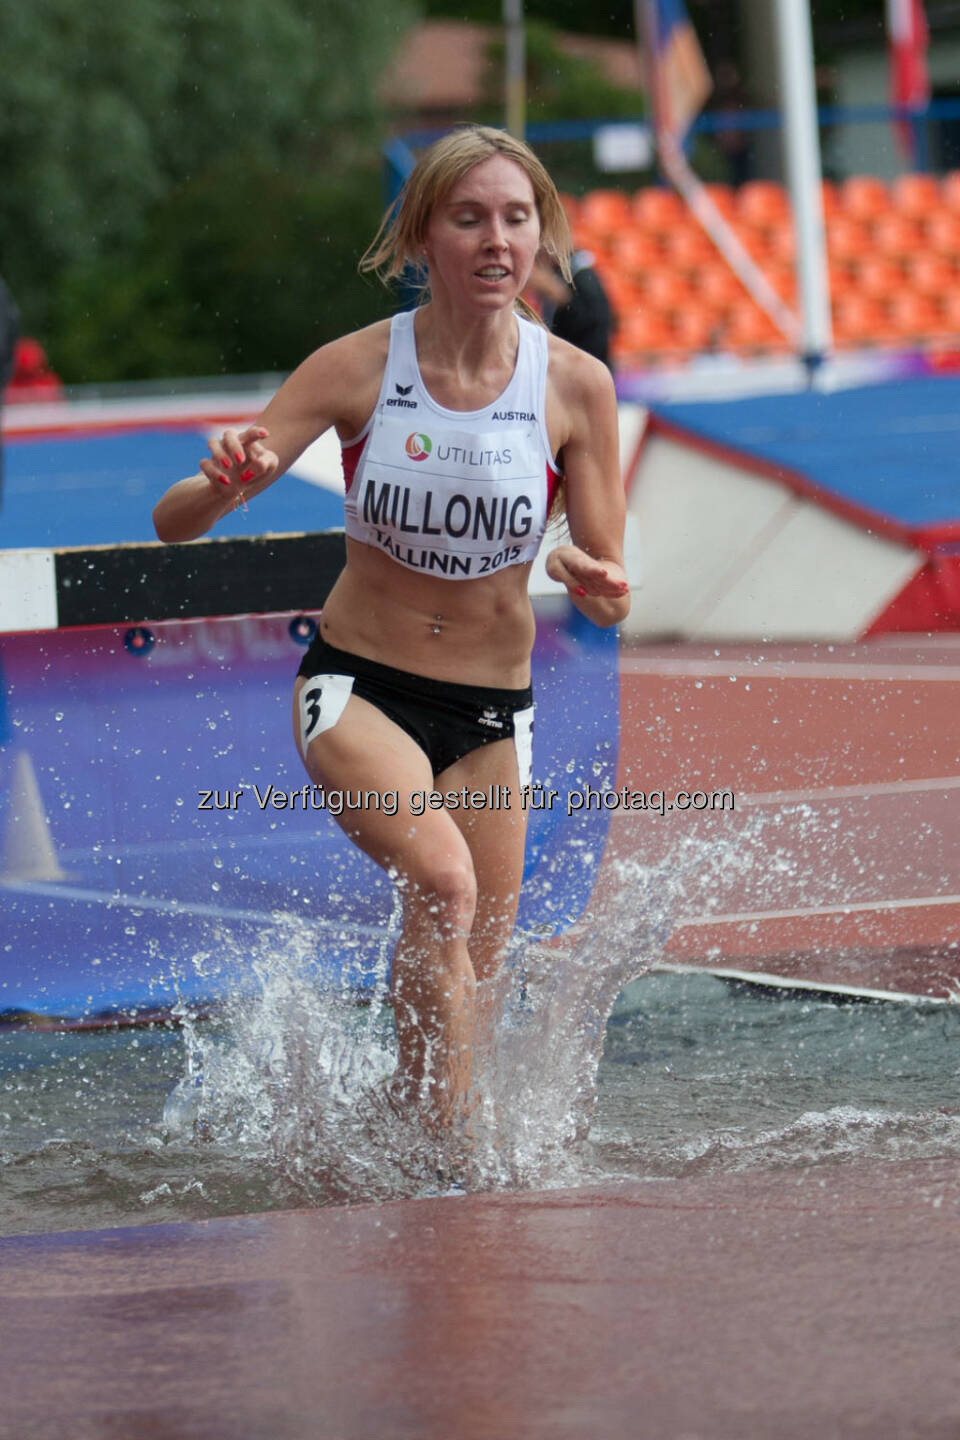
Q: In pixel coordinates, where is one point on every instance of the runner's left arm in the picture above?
(592, 566)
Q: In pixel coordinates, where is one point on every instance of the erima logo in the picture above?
(403, 404)
(490, 717)
(418, 447)
(513, 415)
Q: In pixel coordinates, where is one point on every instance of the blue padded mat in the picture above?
(100, 489)
(892, 448)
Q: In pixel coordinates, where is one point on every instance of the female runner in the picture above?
(457, 422)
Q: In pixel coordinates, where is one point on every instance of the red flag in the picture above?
(680, 80)
(908, 37)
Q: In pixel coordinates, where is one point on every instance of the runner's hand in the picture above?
(240, 459)
(584, 576)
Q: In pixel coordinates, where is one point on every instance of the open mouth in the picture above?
(493, 272)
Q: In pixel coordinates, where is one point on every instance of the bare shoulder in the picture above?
(577, 376)
(338, 383)
(352, 358)
(580, 393)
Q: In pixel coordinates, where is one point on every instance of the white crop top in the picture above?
(458, 494)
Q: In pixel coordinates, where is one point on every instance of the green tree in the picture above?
(227, 279)
(561, 86)
(569, 87)
(613, 18)
(108, 111)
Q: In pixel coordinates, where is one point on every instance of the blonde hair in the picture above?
(403, 230)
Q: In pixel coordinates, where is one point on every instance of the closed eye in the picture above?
(516, 217)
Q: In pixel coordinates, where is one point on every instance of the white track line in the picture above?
(916, 902)
(238, 846)
(852, 792)
(177, 907)
(907, 641)
(780, 982)
(881, 673)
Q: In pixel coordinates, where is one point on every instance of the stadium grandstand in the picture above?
(892, 249)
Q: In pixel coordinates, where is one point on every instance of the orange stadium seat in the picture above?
(895, 234)
(943, 233)
(636, 252)
(843, 280)
(697, 330)
(571, 207)
(950, 190)
(644, 336)
(656, 208)
(668, 289)
(605, 211)
(931, 274)
(756, 240)
(783, 279)
(832, 204)
(864, 197)
(842, 284)
(749, 329)
(915, 317)
(847, 239)
(915, 195)
(762, 202)
(878, 276)
(950, 309)
(688, 245)
(623, 292)
(588, 237)
(860, 320)
(783, 243)
(717, 286)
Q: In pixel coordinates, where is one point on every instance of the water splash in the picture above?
(297, 1073)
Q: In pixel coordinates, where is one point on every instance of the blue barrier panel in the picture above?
(155, 831)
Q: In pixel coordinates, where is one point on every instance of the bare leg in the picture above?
(496, 839)
(434, 999)
(433, 980)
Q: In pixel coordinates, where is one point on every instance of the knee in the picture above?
(448, 888)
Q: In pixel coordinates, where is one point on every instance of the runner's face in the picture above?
(483, 236)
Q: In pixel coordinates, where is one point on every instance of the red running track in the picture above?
(845, 766)
(742, 1307)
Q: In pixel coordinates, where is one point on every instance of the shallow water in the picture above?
(275, 1105)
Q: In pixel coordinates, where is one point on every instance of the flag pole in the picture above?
(645, 31)
(668, 129)
(516, 69)
(802, 155)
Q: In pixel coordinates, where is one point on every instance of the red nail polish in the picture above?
(223, 480)
(580, 590)
(239, 457)
(247, 475)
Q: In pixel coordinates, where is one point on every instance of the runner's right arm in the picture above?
(336, 385)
